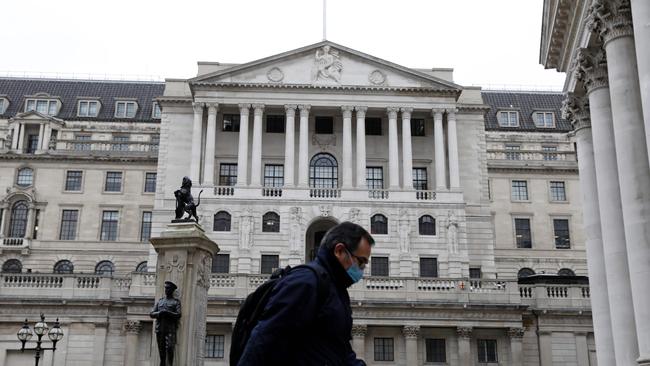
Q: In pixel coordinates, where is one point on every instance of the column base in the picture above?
(643, 361)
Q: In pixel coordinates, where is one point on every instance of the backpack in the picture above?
(253, 307)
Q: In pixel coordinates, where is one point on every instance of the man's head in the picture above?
(170, 287)
(350, 244)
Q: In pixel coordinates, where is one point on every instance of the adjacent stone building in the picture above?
(471, 195)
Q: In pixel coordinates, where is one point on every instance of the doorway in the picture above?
(314, 236)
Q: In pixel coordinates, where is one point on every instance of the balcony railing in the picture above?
(324, 192)
(271, 192)
(378, 194)
(224, 191)
(531, 155)
(14, 242)
(126, 147)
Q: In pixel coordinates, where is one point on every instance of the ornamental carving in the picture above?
(359, 330)
(452, 232)
(404, 230)
(324, 142)
(411, 331)
(203, 272)
(591, 68)
(611, 19)
(516, 332)
(353, 215)
(576, 110)
(132, 326)
(246, 229)
(377, 77)
(464, 332)
(295, 235)
(327, 66)
(175, 264)
(325, 210)
(275, 75)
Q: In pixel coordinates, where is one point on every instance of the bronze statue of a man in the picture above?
(167, 311)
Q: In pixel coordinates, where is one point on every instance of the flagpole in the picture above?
(324, 20)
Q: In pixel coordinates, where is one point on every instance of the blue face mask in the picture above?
(354, 271)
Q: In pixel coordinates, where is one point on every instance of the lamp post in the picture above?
(41, 328)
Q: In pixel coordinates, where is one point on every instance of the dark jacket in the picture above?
(295, 330)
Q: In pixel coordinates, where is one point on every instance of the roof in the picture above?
(70, 91)
(526, 103)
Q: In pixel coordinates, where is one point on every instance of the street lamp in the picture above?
(41, 328)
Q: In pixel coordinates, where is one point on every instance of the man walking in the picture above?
(304, 324)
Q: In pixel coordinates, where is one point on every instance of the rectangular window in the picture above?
(324, 125)
(270, 262)
(156, 111)
(43, 106)
(221, 263)
(508, 118)
(561, 229)
(549, 153)
(512, 152)
(79, 144)
(32, 144)
(519, 190)
(109, 226)
(379, 266)
(113, 182)
(558, 192)
(227, 174)
(69, 224)
(214, 346)
(145, 229)
(120, 143)
(475, 272)
(420, 179)
(436, 350)
(231, 122)
(522, 233)
(417, 127)
(73, 180)
(273, 175)
(125, 109)
(155, 142)
(88, 108)
(150, 182)
(373, 126)
(428, 267)
(375, 177)
(487, 350)
(274, 124)
(544, 119)
(384, 348)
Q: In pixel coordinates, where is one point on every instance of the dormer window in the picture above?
(43, 106)
(88, 108)
(124, 109)
(4, 104)
(544, 119)
(156, 112)
(508, 118)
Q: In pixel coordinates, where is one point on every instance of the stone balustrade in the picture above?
(71, 145)
(531, 155)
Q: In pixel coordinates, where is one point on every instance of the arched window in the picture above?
(378, 224)
(25, 177)
(427, 225)
(566, 272)
(105, 268)
(323, 171)
(141, 267)
(12, 266)
(63, 267)
(271, 222)
(221, 221)
(525, 272)
(18, 220)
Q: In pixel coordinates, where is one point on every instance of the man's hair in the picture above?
(347, 233)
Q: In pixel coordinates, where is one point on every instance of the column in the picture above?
(41, 128)
(361, 146)
(99, 343)
(256, 159)
(242, 152)
(289, 144)
(210, 140)
(582, 350)
(29, 230)
(132, 329)
(407, 150)
(197, 128)
(14, 136)
(393, 152)
(21, 138)
(439, 146)
(359, 332)
(615, 25)
(47, 136)
(618, 324)
(411, 333)
(641, 20)
(516, 346)
(303, 148)
(452, 146)
(347, 146)
(464, 348)
(3, 221)
(545, 348)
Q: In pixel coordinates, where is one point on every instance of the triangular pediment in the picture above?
(34, 115)
(326, 64)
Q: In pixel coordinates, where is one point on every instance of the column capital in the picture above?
(411, 331)
(347, 111)
(451, 112)
(576, 110)
(516, 332)
(464, 332)
(406, 112)
(132, 326)
(359, 330)
(304, 110)
(198, 107)
(244, 108)
(212, 108)
(392, 112)
(361, 111)
(258, 109)
(591, 68)
(611, 19)
(437, 112)
(290, 109)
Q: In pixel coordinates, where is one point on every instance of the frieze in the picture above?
(516, 332)
(464, 332)
(359, 330)
(411, 331)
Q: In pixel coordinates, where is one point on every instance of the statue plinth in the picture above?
(185, 258)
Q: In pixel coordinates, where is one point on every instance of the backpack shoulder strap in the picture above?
(323, 280)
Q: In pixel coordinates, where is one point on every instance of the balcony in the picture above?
(503, 158)
(101, 148)
(15, 244)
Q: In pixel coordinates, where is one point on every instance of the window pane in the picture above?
(41, 106)
(109, 226)
(52, 108)
(561, 228)
(324, 125)
(379, 224)
(227, 174)
(121, 109)
(69, 224)
(63, 267)
(25, 177)
(273, 175)
(373, 126)
(374, 178)
(420, 179)
(130, 110)
(104, 268)
(522, 233)
(221, 221)
(417, 127)
(83, 109)
(93, 109)
(436, 350)
(428, 267)
(269, 264)
(271, 222)
(150, 182)
(323, 171)
(384, 349)
(474, 272)
(557, 191)
(519, 190)
(145, 230)
(18, 220)
(427, 225)
(113, 182)
(231, 122)
(274, 124)
(157, 112)
(221, 263)
(31, 105)
(512, 152)
(214, 346)
(379, 266)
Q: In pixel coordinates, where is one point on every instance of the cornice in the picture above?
(171, 101)
(68, 157)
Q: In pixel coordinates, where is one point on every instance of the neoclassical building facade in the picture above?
(471, 195)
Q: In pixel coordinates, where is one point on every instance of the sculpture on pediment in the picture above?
(452, 232)
(275, 75)
(377, 77)
(296, 229)
(327, 65)
(404, 230)
(246, 229)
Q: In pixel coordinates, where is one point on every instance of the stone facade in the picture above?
(426, 164)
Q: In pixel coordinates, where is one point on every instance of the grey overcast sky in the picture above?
(487, 42)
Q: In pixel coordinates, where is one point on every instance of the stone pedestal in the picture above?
(185, 258)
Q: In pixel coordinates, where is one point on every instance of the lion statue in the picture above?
(185, 201)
